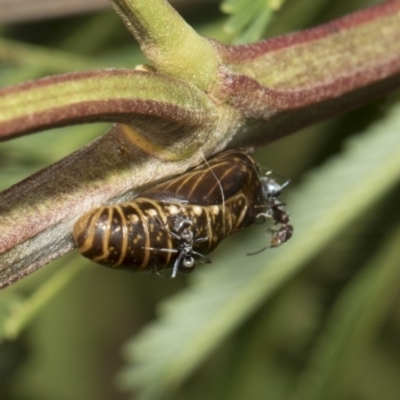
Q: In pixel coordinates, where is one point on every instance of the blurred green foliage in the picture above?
(315, 319)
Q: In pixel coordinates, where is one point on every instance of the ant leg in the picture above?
(202, 239)
(204, 260)
(165, 250)
(264, 217)
(176, 265)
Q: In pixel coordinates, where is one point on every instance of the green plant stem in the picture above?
(168, 42)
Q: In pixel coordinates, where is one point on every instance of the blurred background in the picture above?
(318, 318)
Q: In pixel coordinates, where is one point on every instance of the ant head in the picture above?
(180, 222)
(270, 187)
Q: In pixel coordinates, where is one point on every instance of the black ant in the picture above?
(182, 231)
(282, 231)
